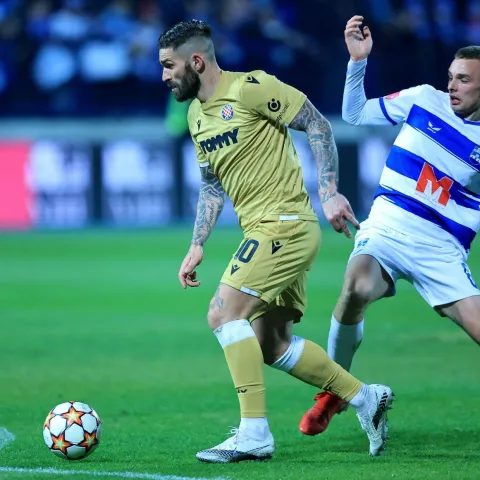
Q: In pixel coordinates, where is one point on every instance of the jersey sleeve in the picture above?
(269, 97)
(396, 106)
(192, 123)
(201, 159)
(389, 110)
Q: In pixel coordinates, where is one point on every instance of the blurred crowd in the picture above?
(100, 57)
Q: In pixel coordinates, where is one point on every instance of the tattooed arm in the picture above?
(210, 205)
(324, 149)
(335, 206)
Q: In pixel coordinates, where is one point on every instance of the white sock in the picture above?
(233, 332)
(256, 428)
(343, 342)
(361, 401)
(292, 355)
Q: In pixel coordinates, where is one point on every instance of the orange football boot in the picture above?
(316, 419)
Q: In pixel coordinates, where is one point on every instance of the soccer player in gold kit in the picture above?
(238, 123)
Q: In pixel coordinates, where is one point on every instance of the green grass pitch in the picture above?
(100, 317)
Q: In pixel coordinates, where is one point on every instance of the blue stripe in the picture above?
(444, 135)
(410, 165)
(384, 110)
(463, 234)
(468, 122)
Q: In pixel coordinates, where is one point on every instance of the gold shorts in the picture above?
(272, 261)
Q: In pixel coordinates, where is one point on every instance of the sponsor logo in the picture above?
(274, 105)
(219, 141)
(434, 190)
(282, 113)
(392, 96)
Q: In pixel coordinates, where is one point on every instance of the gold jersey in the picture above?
(241, 133)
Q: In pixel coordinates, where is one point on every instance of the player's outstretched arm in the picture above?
(356, 108)
(335, 206)
(210, 204)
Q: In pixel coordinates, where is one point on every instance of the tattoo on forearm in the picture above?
(210, 205)
(323, 146)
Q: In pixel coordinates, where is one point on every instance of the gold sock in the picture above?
(245, 361)
(316, 368)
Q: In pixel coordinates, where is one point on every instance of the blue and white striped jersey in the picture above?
(430, 184)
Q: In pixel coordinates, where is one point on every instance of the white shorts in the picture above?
(436, 269)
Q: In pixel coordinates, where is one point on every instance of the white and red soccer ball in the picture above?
(72, 430)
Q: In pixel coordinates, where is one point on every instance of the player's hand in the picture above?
(338, 212)
(187, 274)
(359, 40)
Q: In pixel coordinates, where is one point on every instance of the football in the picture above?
(72, 430)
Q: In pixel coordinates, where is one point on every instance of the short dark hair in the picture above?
(469, 53)
(182, 32)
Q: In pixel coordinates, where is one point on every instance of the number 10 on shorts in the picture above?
(246, 250)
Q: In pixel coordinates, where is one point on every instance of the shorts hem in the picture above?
(237, 286)
(453, 300)
(271, 306)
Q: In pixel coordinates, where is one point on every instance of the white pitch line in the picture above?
(149, 476)
(5, 437)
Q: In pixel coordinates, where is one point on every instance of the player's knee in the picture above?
(214, 318)
(273, 352)
(358, 290)
(272, 348)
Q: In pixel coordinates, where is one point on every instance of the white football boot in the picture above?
(238, 448)
(374, 420)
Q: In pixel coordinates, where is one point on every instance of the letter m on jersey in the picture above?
(437, 191)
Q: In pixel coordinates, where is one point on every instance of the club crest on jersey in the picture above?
(227, 112)
(475, 155)
(361, 244)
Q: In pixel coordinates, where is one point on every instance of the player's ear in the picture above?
(198, 62)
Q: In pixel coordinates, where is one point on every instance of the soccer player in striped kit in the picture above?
(426, 211)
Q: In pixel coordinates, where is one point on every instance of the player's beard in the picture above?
(189, 85)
